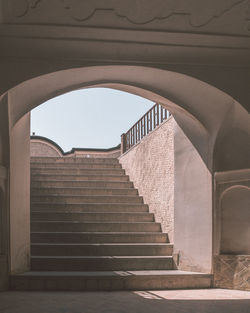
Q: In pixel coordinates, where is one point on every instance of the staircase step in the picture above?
(100, 263)
(89, 207)
(58, 191)
(86, 199)
(69, 226)
(81, 183)
(99, 237)
(88, 165)
(109, 281)
(136, 249)
(78, 160)
(86, 177)
(92, 217)
(77, 171)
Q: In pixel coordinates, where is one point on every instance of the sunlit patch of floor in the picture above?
(201, 294)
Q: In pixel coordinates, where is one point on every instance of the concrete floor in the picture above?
(171, 301)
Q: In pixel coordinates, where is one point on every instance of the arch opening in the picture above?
(200, 111)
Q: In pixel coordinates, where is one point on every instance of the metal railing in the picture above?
(146, 124)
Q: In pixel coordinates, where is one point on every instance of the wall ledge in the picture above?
(232, 176)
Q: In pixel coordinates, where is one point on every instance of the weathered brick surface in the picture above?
(150, 165)
(40, 148)
(43, 149)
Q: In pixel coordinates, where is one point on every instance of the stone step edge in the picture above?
(94, 222)
(78, 175)
(89, 204)
(82, 188)
(104, 244)
(101, 257)
(109, 281)
(75, 163)
(104, 274)
(92, 213)
(70, 158)
(113, 196)
(79, 168)
(80, 181)
(100, 233)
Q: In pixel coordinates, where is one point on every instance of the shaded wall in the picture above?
(232, 230)
(192, 207)
(20, 195)
(150, 165)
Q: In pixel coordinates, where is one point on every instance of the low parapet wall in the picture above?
(44, 147)
(150, 165)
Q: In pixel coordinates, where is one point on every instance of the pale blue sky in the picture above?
(88, 118)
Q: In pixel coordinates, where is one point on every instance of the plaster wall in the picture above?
(150, 165)
(20, 191)
(192, 207)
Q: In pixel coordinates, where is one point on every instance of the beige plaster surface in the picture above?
(192, 207)
(163, 301)
(20, 199)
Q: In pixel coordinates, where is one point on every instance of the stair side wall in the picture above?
(150, 165)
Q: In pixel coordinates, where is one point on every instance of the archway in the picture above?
(202, 113)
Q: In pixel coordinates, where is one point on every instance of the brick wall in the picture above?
(43, 149)
(150, 165)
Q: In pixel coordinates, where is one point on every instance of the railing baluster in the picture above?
(141, 129)
(165, 114)
(157, 114)
(148, 122)
(144, 126)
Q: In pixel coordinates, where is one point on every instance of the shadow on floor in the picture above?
(173, 301)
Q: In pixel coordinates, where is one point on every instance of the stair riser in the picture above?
(89, 184)
(109, 284)
(76, 178)
(76, 171)
(93, 217)
(94, 227)
(100, 208)
(83, 191)
(87, 199)
(68, 250)
(65, 160)
(98, 238)
(103, 264)
(74, 165)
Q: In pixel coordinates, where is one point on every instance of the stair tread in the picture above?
(101, 257)
(101, 233)
(82, 175)
(94, 213)
(83, 181)
(91, 204)
(75, 163)
(95, 222)
(68, 195)
(102, 244)
(105, 169)
(80, 188)
(99, 274)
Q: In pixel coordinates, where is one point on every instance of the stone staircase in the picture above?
(90, 230)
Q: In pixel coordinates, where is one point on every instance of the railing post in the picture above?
(123, 143)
